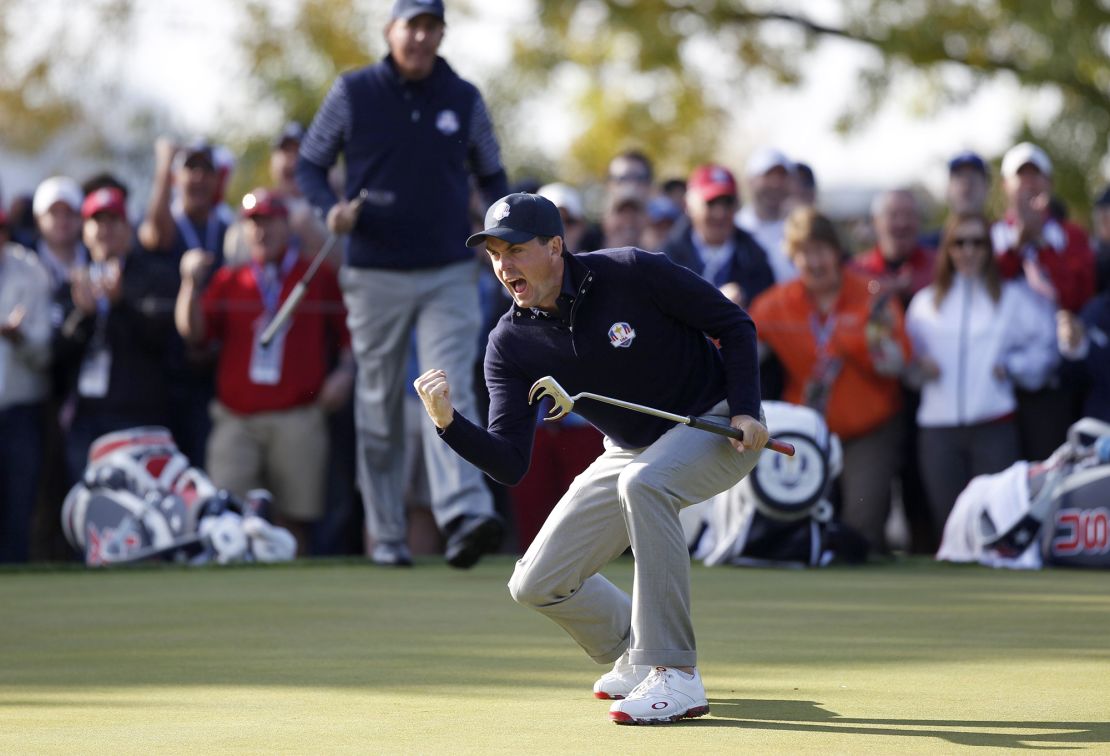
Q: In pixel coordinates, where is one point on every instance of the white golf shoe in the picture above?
(665, 695)
(618, 682)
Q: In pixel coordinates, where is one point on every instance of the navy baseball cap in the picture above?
(408, 9)
(520, 217)
(968, 159)
(1102, 199)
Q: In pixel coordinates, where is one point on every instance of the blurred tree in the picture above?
(662, 74)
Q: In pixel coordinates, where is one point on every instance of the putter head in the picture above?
(548, 386)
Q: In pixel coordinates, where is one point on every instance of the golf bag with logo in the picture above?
(1032, 514)
(140, 499)
(780, 514)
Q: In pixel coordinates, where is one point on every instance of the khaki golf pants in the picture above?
(629, 497)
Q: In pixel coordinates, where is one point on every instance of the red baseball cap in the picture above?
(104, 200)
(264, 203)
(711, 182)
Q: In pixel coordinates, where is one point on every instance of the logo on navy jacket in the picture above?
(447, 122)
(621, 335)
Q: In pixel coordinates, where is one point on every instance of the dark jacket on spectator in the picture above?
(749, 267)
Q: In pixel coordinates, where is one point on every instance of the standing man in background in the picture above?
(412, 133)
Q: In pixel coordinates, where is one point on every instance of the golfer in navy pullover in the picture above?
(632, 325)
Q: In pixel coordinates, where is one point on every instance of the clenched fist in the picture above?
(435, 392)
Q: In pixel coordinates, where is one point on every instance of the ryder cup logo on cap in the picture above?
(621, 335)
(518, 218)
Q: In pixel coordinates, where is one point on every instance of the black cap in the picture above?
(968, 159)
(1102, 199)
(407, 9)
(519, 217)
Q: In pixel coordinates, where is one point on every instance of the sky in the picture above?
(896, 147)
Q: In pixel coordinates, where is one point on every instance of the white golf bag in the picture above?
(140, 499)
(780, 513)
(1055, 512)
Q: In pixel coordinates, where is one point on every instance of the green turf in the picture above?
(326, 658)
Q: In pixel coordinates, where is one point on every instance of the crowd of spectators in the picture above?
(950, 348)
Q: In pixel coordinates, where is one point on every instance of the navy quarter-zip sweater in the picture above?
(631, 325)
(413, 146)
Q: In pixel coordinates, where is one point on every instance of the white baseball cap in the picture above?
(565, 197)
(57, 189)
(766, 158)
(1025, 153)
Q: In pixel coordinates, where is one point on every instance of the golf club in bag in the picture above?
(289, 306)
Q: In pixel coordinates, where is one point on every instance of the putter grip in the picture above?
(723, 429)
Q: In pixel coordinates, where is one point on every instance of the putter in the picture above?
(289, 306)
(564, 403)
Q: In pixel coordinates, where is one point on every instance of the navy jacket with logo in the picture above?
(632, 325)
(413, 146)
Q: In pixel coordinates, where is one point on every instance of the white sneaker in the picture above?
(664, 696)
(619, 682)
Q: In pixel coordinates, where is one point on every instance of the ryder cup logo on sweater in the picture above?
(447, 122)
(621, 335)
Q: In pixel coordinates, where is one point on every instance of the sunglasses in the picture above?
(969, 241)
(629, 178)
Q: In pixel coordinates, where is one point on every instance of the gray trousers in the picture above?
(628, 497)
(950, 457)
(383, 308)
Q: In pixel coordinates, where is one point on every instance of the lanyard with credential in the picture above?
(822, 329)
(270, 288)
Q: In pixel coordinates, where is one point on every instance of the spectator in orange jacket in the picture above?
(842, 349)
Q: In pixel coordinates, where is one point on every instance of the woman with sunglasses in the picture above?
(975, 337)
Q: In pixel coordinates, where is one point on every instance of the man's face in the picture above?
(198, 182)
(897, 225)
(268, 237)
(712, 220)
(414, 44)
(769, 192)
(1028, 184)
(532, 272)
(967, 190)
(107, 236)
(283, 165)
(629, 176)
(60, 225)
(624, 224)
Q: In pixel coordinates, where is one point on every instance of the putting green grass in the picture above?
(344, 658)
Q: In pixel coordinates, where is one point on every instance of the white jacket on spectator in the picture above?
(967, 336)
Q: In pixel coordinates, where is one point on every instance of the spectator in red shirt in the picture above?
(269, 426)
(898, 261)
(1057, 263)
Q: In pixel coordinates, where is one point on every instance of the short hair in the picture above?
(879, 200)
(806, 224)
(640, 157)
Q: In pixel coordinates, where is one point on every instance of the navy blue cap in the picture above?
(1102, 199)
(967, 158)
(407, 9)
(517, 218)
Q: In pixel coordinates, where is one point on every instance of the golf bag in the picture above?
(1032, 514)
(140, 499)
(780, 514)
